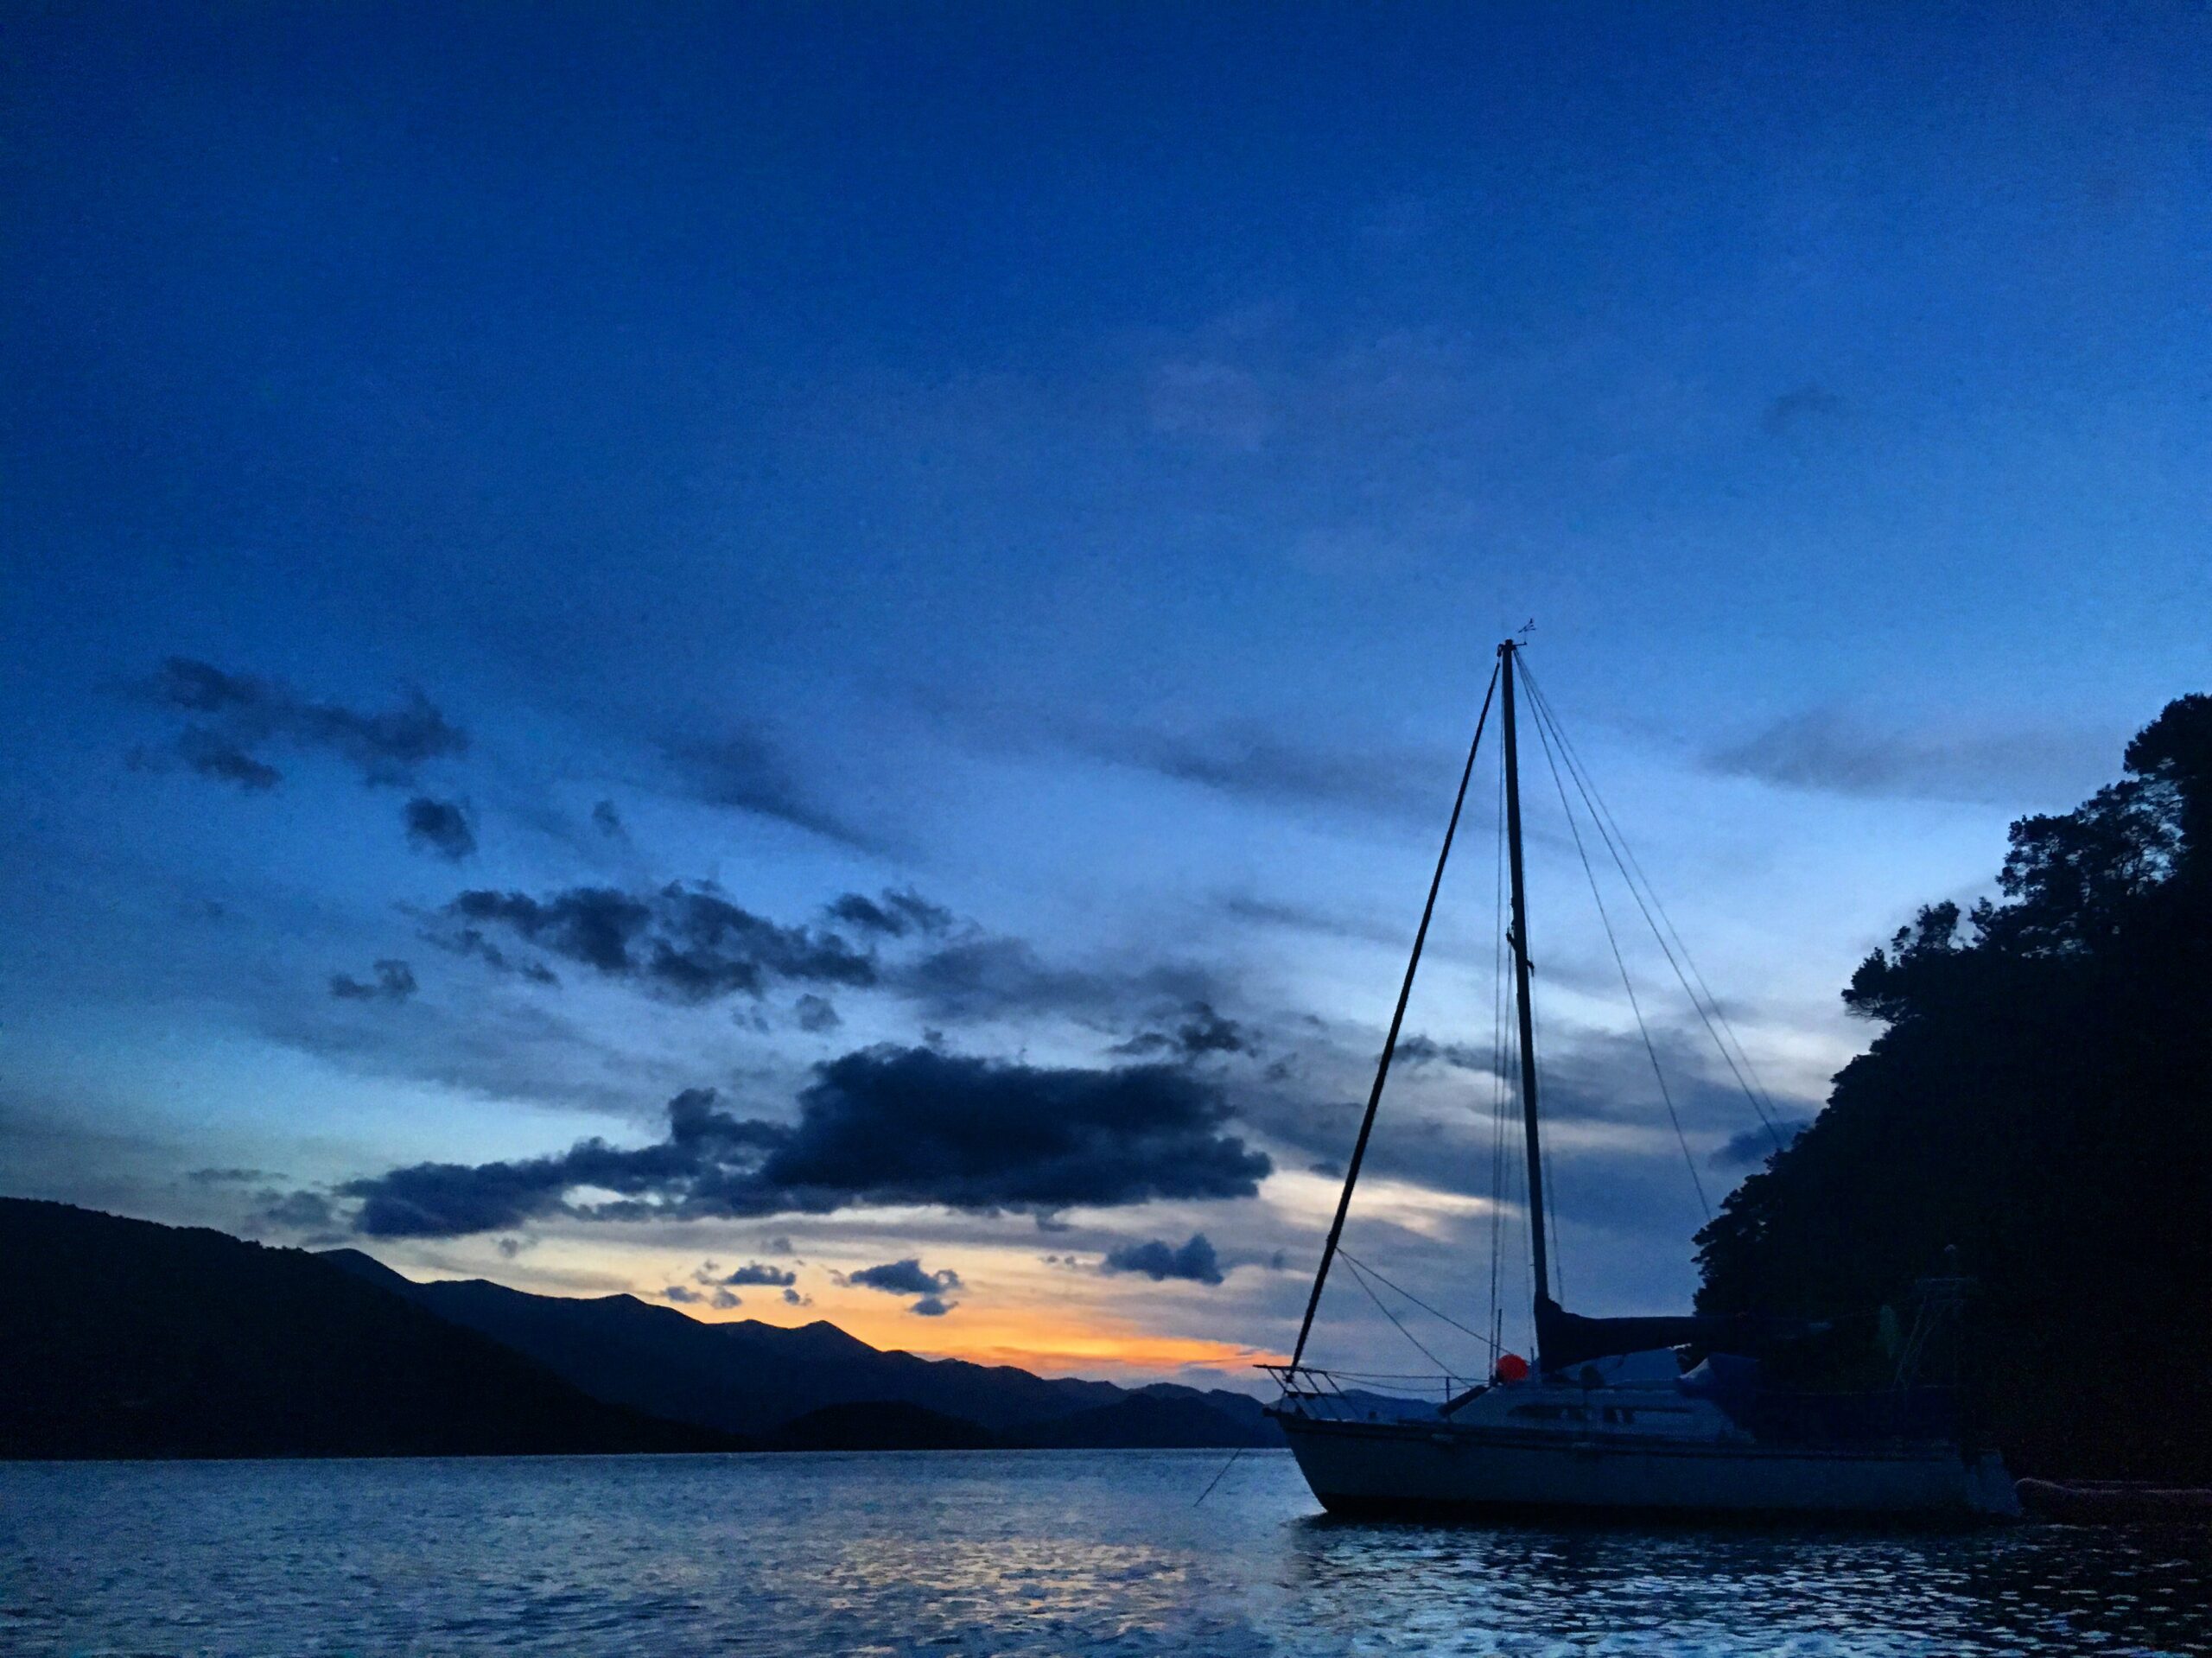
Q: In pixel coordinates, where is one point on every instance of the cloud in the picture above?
(683, 1295)
(1419, 1050)
(1211, 403)
(724, 1301)
(471, 941)
(985, 977)
(228, 1177)
(1159, 1260)
(793, 1299)
(292, 1212)
(1755, 1146)
(746, 771)
(905, 1278)
(1250, 762)
(815, 1013)
(893, 914)
(509, 1248)
(1836, 751)
(1802, 405)
(1204, 1032)
(237, 718)
(440, 827)
(213, 755)
(683, 942)
(881, 1126)
(759, 1272)
(395, 981)
(608, 822)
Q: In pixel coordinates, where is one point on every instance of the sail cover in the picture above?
(1565, 1339)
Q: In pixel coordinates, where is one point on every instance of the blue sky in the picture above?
(1073, 466)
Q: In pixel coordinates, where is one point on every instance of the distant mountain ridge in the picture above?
(125, 1338)
(752, 1378)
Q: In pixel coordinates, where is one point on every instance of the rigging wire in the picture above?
(1216, 1479)
(1363, 1266)
(1707, 1005)
(1651, 1048)
(1397, 1019)
(1359, 1276)
(1639, 886)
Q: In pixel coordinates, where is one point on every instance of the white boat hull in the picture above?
(1372, 1467)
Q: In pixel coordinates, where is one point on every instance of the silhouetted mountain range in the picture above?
(752, 1378)
(124, 1338)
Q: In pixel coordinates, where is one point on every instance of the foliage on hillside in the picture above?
(2038, 1097)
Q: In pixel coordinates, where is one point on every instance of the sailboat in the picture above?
(1604, 1420)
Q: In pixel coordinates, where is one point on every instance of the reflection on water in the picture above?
(1075, 1553)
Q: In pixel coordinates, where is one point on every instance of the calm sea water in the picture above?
(1077, 1553)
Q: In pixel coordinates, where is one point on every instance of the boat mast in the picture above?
(1518, 935)
(1390, 1041)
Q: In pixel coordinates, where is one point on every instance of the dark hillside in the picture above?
(122, 1339)
(750, 1377)
(2041, 1097)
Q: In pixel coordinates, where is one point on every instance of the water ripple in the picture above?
(1084, 1554)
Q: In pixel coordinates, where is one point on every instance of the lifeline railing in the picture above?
(1323, 1395)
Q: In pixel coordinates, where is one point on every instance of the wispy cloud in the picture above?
(1838, 751)
(1254, 761)
(748, 770)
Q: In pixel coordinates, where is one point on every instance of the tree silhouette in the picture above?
(2038, 1097)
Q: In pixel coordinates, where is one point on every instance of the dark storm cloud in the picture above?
(686, 943)
(892, 913)
(747, 771)
(881, 1125)
(235, 717)
(1159, 1260)
(440, 827)
(1836, 751)
(395, 981)
(905, 1278)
